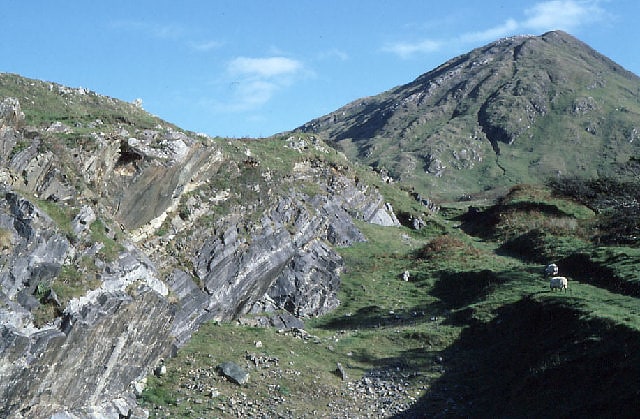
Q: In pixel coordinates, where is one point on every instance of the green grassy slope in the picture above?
(46, 102)
(474, 332)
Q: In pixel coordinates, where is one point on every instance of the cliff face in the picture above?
(117, 242)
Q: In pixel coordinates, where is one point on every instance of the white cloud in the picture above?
(407, 49)
(264, 67)
(541, 17)
(562, 14)
(491, 34)
(256, 80)
(205, 46)
(251, 94)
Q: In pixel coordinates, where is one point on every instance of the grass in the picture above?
(112, 248)
(284, 356)
(6, 239)
(44, 103)
(503, 335)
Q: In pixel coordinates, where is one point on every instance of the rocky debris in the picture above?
(261, 361)
(299, 334)
(11, 114)
(234, 372)
(427, 203)
(83, 220)
(59, 128)
(385, 392)
(280, 320)
(172, 146)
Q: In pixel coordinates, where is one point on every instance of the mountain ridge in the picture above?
(457, 121)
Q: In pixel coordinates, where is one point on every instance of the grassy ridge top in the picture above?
(46, 102)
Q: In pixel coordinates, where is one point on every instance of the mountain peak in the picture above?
(489, 118)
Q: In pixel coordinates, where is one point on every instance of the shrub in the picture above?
(443, 245)
(615, 200)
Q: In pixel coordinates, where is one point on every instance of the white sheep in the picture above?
(559, 282)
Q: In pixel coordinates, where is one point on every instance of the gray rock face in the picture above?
(86, 314)
(38, 251)
(83, 220)
(103, 341)
(308, 285)
(191, 311)
(242, 273)
(11, 114)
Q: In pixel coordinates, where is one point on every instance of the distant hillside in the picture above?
(517, 110)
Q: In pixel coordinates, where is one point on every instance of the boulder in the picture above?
(233, 372)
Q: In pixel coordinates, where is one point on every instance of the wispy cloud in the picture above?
(264, 67)
(562, 14)
(155, 30)
(492, 33)
(165, 32)
(256, 80)
(333, 54)
(205, 46)
(408, 49)
(542, 16)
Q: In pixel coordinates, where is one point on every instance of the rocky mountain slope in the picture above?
(121, 235)
(518, 110)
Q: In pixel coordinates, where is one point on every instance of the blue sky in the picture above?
(256, 67)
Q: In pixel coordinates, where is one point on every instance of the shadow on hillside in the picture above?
(458, 289)
(370, 118)
(372, 317)
(454, 290)
(536, 359)
(580, 267)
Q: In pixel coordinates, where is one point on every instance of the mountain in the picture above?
(518, 110)
(146, 270)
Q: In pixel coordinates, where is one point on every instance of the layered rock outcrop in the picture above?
(116, 246)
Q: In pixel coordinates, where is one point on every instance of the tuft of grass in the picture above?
(6, 239)
(112, 248)
(73, 282)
